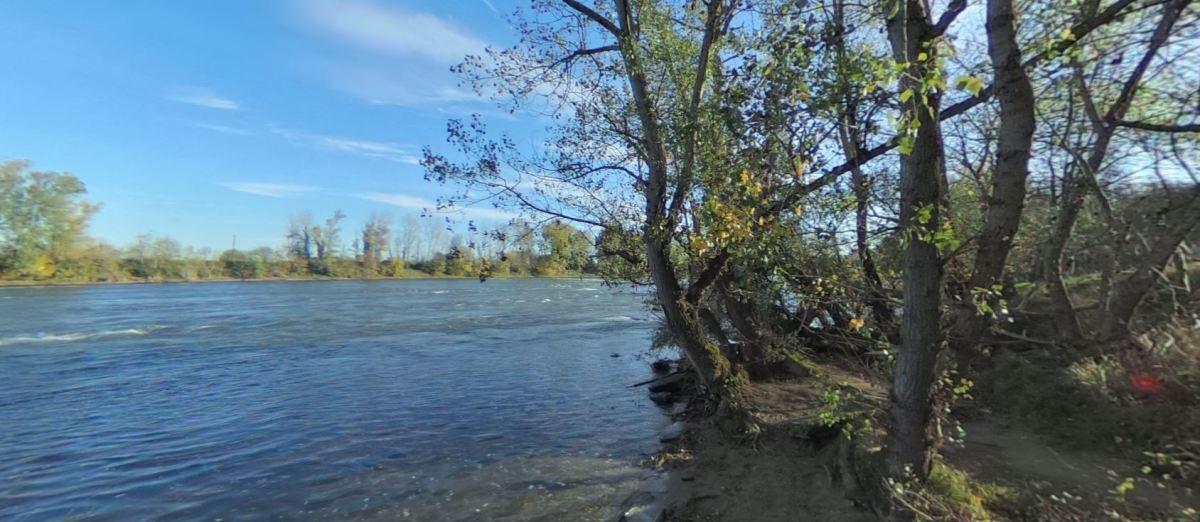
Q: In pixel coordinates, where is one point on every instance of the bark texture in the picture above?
(910, 32)
(1014, 91)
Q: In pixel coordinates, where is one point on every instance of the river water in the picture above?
(425, 400)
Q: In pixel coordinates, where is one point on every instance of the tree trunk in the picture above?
(910, 450)
(851, 138)
(1054, 252)
(1015, 94)
(683, 319)
(682, 314)
(1130, 292)
(1087, 173)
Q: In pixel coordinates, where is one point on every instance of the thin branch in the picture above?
(955, 8)
(1158, 127)
(1080, 30)
(594, 16)
(684, 185)
(584, 52)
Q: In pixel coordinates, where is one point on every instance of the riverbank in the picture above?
(786, 473)
(817, 454)
(417, 276)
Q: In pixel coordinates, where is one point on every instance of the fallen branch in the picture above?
(1019, 337)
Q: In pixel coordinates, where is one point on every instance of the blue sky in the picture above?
(205, 119)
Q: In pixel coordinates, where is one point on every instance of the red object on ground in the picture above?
(1145, 382)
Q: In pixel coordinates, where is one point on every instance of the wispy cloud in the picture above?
(201, 97)
(390, 55)
(272, 190)
(392, 30)
(417, 203)
(223, 129)
(400, 152)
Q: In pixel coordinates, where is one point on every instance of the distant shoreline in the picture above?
(26, 283)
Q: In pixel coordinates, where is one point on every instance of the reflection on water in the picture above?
(322, 399)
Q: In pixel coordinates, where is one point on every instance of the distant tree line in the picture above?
(43, 237)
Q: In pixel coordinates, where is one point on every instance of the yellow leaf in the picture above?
(856, 324)
(971, 84)
(799, 210)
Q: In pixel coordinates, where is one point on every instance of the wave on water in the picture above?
(547, 300)
(72, 337)
(618, 318)
(439, 291)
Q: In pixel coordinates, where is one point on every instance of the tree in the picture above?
(621, 100)
(1083, 175)
(407, 236)
(376, 235)
(913, 34)
(460, 259)
(327, 241)
(240, 265)
(1014, 91)
(566, 248)
(300, 240)
(43, 219)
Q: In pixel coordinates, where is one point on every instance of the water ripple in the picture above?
(355, 400)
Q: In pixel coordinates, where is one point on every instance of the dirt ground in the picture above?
(779, 477)
(783, 477)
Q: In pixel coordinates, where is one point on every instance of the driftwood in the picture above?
(656, 379)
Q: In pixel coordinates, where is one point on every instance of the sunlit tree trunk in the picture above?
(1007, 199)
(679, 306)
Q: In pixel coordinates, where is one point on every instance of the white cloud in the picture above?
(390, 55)
(402, 153)
(223, 129)
(403, 84)
(273, 190)
(204, 98)
(417, 203)
(392, 31)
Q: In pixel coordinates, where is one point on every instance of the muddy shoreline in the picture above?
(782, 475)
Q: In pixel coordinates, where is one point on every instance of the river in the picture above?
(426, 400)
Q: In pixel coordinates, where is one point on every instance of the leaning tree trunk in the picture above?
(910, 447)
(681, 308)
(1086, 174)
(684, 321)
(1130, 292)
(1015, 94)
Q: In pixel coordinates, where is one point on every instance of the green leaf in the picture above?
(970, 84)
